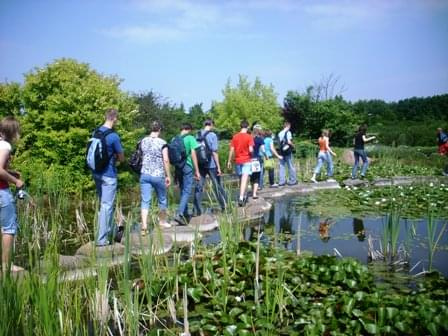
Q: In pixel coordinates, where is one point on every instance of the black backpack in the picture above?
(97, 156)
(285, 148)
(136, 159)
(177, 152)
(203, 151)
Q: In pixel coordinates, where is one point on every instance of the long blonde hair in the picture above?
(9, 129)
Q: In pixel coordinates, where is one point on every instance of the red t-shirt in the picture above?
(241, 143)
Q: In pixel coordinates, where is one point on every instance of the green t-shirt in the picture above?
(190, 143)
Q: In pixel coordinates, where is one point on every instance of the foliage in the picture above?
(297, 296)
(412, 201)
(308, 117)
(254, 102)
(10, 99)
(63, 102)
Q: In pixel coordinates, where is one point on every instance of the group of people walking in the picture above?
(252, 151)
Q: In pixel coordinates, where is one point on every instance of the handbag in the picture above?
(136, 159)
(269, 164)
(255, 166)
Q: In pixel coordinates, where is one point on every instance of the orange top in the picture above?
(323, 145)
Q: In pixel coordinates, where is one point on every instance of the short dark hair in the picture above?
(156, 126)
(111, 113)
(209, 122)
(286, 123)
(244, 124)
(186, 127)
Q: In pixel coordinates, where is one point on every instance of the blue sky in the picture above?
(187, 50)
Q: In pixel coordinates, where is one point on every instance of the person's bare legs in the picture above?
(144, 214)
(243, 186)
(254, 191)
(7, 246)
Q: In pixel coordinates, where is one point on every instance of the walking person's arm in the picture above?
(366, 139)
(327, 144)
(194, 158)
(229, 161)
(273, 150)
(5, 175)
(166, 166)
(218, 166)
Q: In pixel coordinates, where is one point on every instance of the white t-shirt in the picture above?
(5, 145)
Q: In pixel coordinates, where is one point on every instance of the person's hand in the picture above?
(197, 176)
(280, 157)
(167, 181)
(229, 165)
(218, 172)
(19, 183)
(334, 154)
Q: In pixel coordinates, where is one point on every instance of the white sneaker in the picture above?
(165, 224)
(331, 180)
(313, 179)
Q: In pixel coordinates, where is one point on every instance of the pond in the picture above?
(346, 236)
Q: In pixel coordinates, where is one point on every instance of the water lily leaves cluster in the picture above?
(318, 295)
(412, 201)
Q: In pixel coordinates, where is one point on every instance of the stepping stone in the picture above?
(404, 180)
(324, 185)
(355, 183)
(76, 275)
(159, 241)
(260, 202)
(66, 262)
(276, 194)
(250, 213)
(182, 234)
(381, 182)
(304, 188)
(204, 223)
(91, 249)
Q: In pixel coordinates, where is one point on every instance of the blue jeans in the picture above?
(185, 178)
(321, 158)
(8, 214)
(217, 187)
(147, 184)
(287, 161)
(365, 163)
(106, 189)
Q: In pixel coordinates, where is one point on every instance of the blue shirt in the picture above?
(212, 143)
(113, 147)
(267, 146)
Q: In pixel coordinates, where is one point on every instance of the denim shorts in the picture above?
(244, 168)
(8, 215)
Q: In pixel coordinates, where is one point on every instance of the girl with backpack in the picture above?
(155, 175)
(269, 164)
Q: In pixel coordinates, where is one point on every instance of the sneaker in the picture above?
(275, 185)
(313, 179)
(331, 180)
(165, 225)
(281, 185)
(240, 203)
(180, 220)
(119, 234)
(293, 184)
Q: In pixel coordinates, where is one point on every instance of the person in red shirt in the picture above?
(242, 146)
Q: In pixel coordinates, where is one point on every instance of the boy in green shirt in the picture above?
(185, 174)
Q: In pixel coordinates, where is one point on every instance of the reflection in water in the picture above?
(358, 229)
(324, 230)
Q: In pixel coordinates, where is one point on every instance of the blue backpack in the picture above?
(177, 152)
(97, 157)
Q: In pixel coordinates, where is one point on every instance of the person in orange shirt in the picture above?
(324, 155)
(242, 146)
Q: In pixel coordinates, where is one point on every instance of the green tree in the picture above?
(63, 102)
(10, 99)
(155, 107)
(254, 102)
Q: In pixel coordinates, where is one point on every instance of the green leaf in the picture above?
(371, 328)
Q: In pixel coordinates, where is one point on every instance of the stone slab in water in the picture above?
(182, 234)
(326, 185)
(404, 180)
(355, 183)
(250, 213)
(67, 262)
(158, 242)
(77, 274)
(260, 202)
(205, 222)
(381, 182)
(90, 249)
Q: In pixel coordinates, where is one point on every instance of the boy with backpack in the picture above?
(104, 148)
(286, 147)
(208, 162)
(182, 155)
